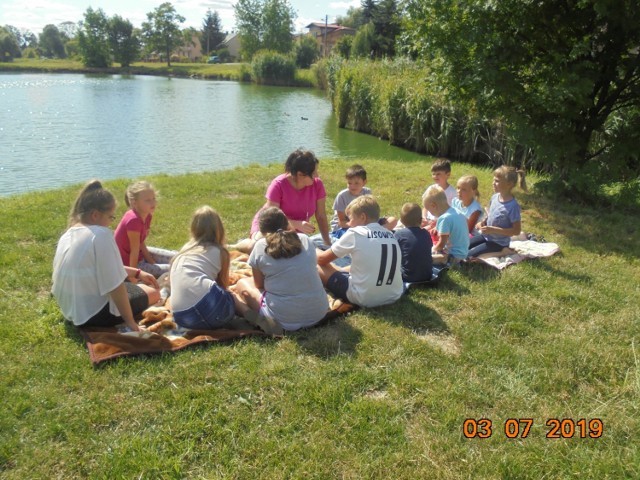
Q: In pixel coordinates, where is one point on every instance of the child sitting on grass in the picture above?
(440, 173)
(374, 277)
(415, 244)
(453, 234)
(467, 201)
(285, 290)
(356, 177)
(503, 219)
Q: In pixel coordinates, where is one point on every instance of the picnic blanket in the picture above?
(108, 343)
(518, 251)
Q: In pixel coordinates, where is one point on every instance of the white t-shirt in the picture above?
(192, 276)
(375, 277)
(450, 193)
(86, 268)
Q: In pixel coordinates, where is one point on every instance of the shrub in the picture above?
(273, 68)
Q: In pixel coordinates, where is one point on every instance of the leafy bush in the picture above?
(273, 68)
(306, 51)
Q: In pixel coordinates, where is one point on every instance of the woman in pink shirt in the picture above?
(300, 194)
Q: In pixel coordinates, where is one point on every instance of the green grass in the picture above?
(219, 71)
(382, 393)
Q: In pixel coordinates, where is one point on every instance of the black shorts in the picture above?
(138, 300)
(338, 284)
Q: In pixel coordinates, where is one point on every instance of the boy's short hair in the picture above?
(441, 165)
(356, 171)
(435, 194)
(411, 215)
(364, 204)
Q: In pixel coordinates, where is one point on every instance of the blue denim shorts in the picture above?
(213, 310)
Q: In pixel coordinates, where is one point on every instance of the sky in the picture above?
(35, 14)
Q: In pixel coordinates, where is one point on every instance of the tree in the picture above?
(307, 51)
(9, 48)
(264, 24)
(558, 71)
(278, 26)
(212, 34)
(369, 9)
(387, 26)
(124, 43)
(343, 46)
(162, 30)
(51, 44)
(68, 30)
(364, 42)
(353, 19)
(249, 24)
(93, 39)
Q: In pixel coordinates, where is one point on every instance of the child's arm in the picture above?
(507, 232)
(343, 220)
(121, 299)
(146, 254)
(325, 257)
(472, 220)
(443, 238)
(134, 245)
(258, 278)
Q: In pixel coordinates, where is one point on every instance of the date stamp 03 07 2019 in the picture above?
(520, 428)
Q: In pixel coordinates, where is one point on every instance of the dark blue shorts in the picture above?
(213, 310)
(338, 284)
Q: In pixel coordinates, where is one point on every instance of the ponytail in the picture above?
(92, 197)
(283, 244)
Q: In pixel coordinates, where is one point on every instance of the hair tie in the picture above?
(279, 230)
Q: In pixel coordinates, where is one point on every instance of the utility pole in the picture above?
(326, 21)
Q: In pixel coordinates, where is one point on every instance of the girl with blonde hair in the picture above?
(200, 275)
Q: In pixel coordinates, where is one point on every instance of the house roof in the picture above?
(329, 26)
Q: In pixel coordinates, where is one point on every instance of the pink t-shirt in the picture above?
(131, 222)
(296, 204)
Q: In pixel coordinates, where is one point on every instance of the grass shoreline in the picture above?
(382, 393)
(225, 71)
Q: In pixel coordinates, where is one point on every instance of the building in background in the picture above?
(327, 35)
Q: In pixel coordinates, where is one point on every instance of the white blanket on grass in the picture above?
(523, 249)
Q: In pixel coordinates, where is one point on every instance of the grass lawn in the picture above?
(219, 71)
(382, 393)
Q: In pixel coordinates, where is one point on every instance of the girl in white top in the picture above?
(467, 203)
(286, 289)
(200, 276)
(88, 275)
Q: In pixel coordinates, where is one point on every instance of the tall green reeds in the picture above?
(395, 100)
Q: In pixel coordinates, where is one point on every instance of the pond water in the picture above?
(59, 129)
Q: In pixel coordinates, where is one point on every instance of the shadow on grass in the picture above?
(540, 264)
(412, 314)
(596, 230)
(335, 338)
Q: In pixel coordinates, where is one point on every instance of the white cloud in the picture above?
(344, 5)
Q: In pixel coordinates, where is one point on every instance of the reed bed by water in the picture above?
(382, 393)
(395, 100)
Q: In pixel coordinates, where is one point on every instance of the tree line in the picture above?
(561, 79)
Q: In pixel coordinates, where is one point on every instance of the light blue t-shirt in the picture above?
(502, 215)
(468, 210)
(455, 225)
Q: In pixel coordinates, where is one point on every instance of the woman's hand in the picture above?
(303, 226)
